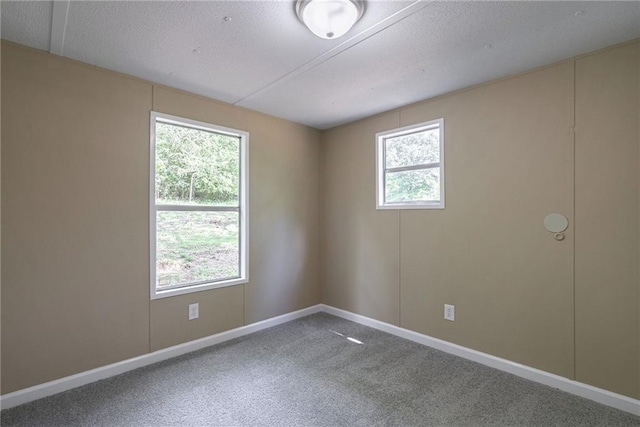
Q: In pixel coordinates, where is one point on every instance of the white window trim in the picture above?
(380, 166)
(243, 209)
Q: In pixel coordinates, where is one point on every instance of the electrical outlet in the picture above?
(194, 311)
(450, 312)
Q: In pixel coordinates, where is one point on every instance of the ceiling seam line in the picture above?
(59, 16)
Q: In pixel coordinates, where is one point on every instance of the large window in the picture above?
(410, 167)
(198, 207)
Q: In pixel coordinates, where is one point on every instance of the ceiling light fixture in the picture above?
(329, 19)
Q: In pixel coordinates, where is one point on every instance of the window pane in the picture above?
(413, 186)
(196, 246)
(196, 167)
(413, 149)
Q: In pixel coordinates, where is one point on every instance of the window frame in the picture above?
(242, 209)
(381, 169)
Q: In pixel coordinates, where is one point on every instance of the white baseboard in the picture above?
(599, 395)
(596, 394)
(67, 383)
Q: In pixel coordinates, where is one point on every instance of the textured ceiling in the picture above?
(257, 54)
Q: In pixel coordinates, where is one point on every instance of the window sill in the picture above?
(399, 206)
(155, 294)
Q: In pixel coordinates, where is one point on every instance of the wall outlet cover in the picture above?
(194, 311)
(450, 312)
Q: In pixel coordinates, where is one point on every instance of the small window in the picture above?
(198, 206)
(410, 167)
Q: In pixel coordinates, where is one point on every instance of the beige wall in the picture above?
(284, 216)
(361, 246)
(0, 218)
(511, 158)
(607, 219)
(75, 173)
(75, 221)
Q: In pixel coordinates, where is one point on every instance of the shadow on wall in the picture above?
(365, 273)
(282, 264)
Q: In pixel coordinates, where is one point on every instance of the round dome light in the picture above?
(329, 19)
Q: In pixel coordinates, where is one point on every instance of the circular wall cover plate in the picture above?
(556, 223)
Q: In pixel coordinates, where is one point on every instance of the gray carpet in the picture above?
(304, 373)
